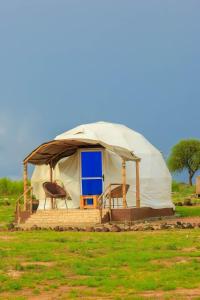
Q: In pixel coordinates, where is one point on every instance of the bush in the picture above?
(10, 187)
(182, 187)
(175, 186)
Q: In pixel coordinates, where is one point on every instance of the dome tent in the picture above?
(155, 179)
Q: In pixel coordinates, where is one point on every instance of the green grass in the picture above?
(7, 208)
(9, 192)
(188, 211)
(181, 192)
(115, 265)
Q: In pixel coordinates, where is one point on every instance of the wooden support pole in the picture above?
(18, 212)
(25, 184)
(31, 201)
(51, 180)
(51, 173)
(124, 183)
(137, 183)
(110, 211)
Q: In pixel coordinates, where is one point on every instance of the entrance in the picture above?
(91, 176)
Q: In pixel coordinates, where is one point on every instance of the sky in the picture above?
(69, 62)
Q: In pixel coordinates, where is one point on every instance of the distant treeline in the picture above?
(10, 187)
(182, 186)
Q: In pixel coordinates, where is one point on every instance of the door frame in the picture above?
(99, 149)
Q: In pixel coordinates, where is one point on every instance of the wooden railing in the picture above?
(103, 198)
(27, 207)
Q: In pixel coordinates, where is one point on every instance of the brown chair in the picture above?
(54, 191)
(116, 192)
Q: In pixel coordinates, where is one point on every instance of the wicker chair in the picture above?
(116, 192)
(54, 191)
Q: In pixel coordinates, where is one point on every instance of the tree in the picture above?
(185, 156)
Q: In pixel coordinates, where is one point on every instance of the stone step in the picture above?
(63, 218)
(36, 216)
(78, 211)
(63, 221)
(64, 215)
(69, 217)
(50, 225)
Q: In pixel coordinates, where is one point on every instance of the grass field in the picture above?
(78, 265)
(74, 265)
(188, 211)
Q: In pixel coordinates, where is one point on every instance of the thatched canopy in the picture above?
(52, 151)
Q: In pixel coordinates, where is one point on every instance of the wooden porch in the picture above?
(103, 205)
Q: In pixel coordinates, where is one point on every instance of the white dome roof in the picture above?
(112, 134)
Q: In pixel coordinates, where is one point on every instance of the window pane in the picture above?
(91, 163)
(91, 186)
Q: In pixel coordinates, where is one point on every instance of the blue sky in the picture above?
(63, 63)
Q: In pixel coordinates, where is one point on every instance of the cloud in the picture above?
(2, 131)
(18, 135)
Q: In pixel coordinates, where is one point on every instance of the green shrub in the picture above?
(175, 186)
(10, 187)
(182, 191)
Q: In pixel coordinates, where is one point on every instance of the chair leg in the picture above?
(66, 203)
(55, 203)
(45, 202)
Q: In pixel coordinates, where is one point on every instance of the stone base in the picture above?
(134, 214)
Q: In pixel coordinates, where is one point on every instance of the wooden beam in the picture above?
(124, 183)
(51, 180)
(137, 183)
(51, 172)
(25, 176)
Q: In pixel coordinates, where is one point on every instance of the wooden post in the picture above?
(198, 186)
(31, 201)
(51, 180)
(124, 183)
(25, 184)
(138, 183)
(18, 212)
(110, 211)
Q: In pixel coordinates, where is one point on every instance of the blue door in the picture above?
(91, 173)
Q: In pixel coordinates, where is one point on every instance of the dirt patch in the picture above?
(189, 249)
(63, 292)
(193, 220)
(60, 293)
(6, 237)
(38, 263)
(183, 294)
(172, 261)
(14, 273)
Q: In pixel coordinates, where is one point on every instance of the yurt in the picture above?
(102, 164)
